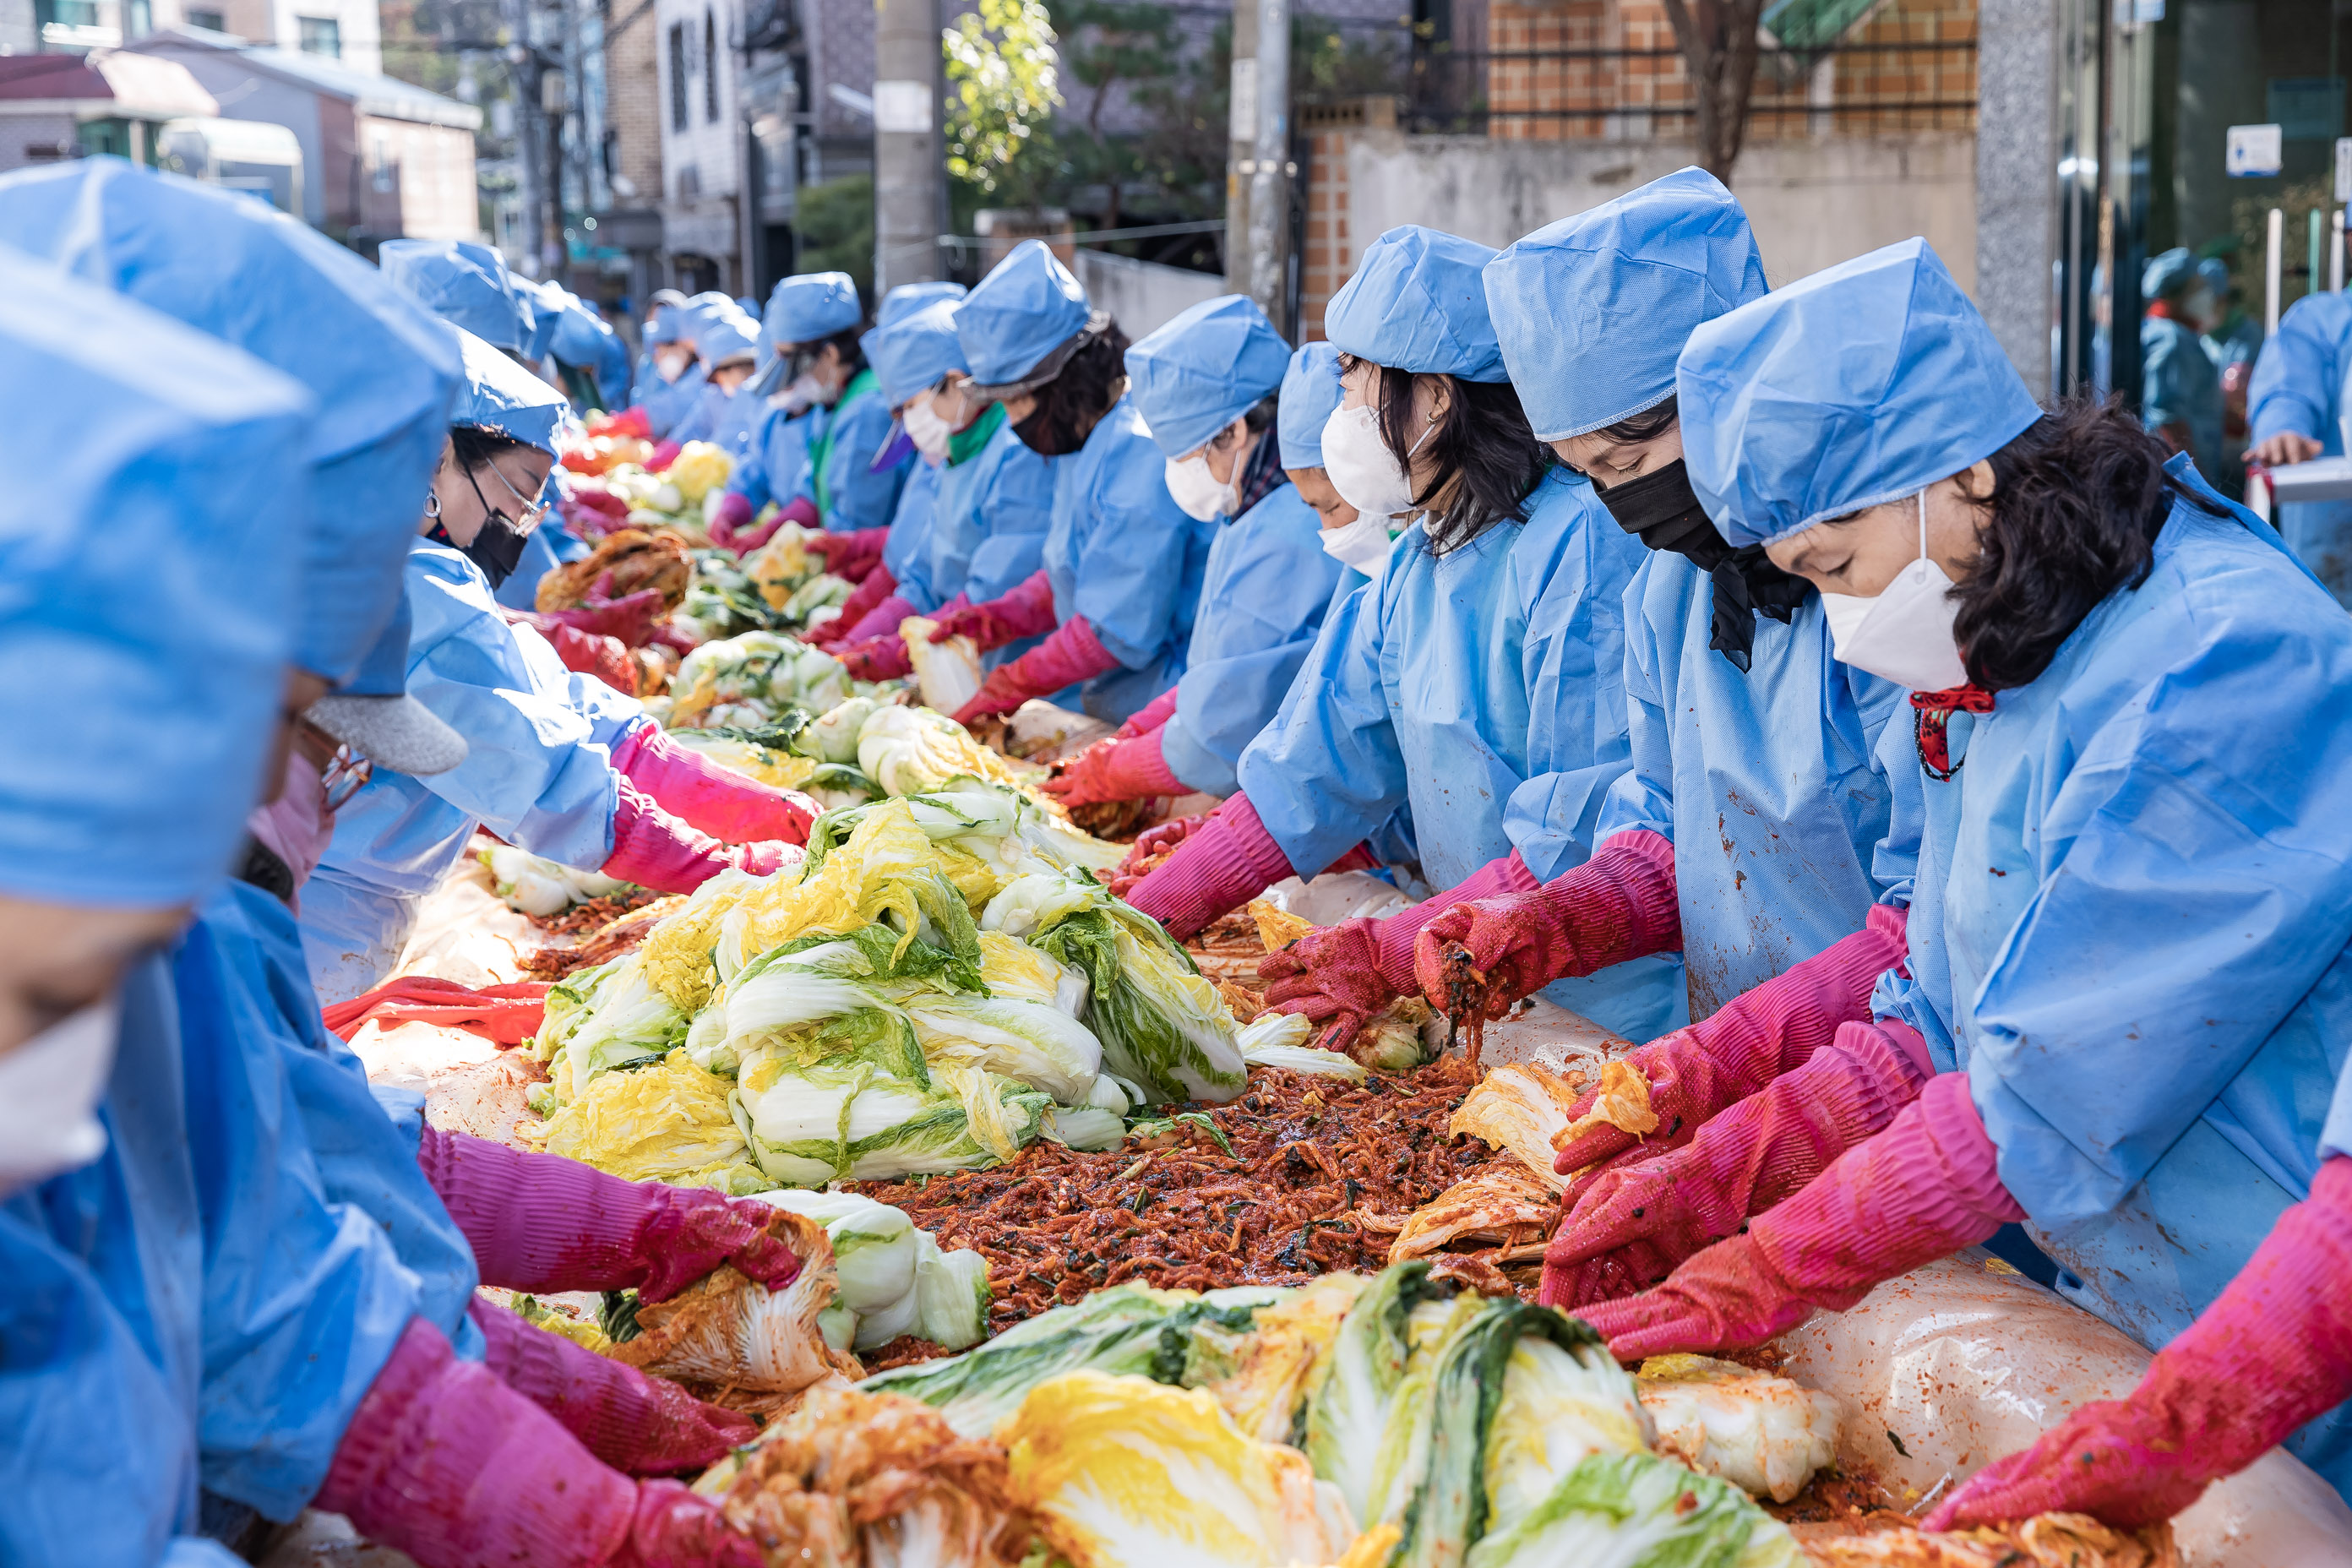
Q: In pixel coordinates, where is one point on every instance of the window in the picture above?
(710, 66)
(678, 76)
(213, 21)
(137, 18)
(321, 35)
(387, 165)
(66, 13)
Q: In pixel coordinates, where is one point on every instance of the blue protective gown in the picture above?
(2131, 921)
(996, 507)
(907, 553)
(534, 773)
(1785, 826)
(667, 403)
(775, 456)
(2180, 385)
(100, 1468)
(849, 492)
(266, 1309)
(1485, 687)
(2298, 385)
(1262, 599)
(1122, 553)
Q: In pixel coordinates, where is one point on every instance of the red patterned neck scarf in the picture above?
(1935, 709)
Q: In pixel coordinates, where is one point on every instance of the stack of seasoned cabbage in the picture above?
(940, 983)
(1387, 1421)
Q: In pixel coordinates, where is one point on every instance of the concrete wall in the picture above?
(1814, 204)
(418, 181)
(2017, 161)
(246, 94)
(1141, 296)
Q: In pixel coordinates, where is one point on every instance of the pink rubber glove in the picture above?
(1343, 975)
(1635, 1223)
(879, 588)
(543, 1222)
(664, 454)
(638, 1423)
(882, 620)
(880, 657)
(1071, 655)
(1113, 769)
(800, 509)
(444, 1462)
(852, 555)
(2273, 1350)
(655, 849)
(698, 792)
(1150, 717)
(1925, 1186)
(1618, 905)
(1696, 1072)
(1026, 611)
(1225, 860)
(727, 525)
(630, 618)
(1148, 843)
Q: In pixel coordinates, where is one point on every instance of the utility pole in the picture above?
(523, 72)
(1241, 148)
(1269, 198)
(909, 160)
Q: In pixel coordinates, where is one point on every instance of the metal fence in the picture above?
(1855, 89)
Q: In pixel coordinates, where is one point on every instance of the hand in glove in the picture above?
(1114, 769)
(638, 1423)
(655, 849)
(851, 556)
(1025, 611)
(703, 795)
(1618, 905)
(1071, 655)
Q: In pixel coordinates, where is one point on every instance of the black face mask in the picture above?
(1045, 435)
(496, 548)
(1663, 513)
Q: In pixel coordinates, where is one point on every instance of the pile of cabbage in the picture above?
(1382, 1421)
(533, 885)
(778, 588)
(747, 681)
(940, 983)
(684, 495)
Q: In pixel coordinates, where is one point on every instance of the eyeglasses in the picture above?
(532, 510)
(347, 773)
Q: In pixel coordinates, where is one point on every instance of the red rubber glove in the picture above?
(664, 454)
(1343, 975)
(1071, 655)
(1635, 1223)
(638, 1423)
(655, 849)
(540, 1222)
(1148, 843)
(630, 618)
(2274, 1351)
(1618, 905)
(882, 620)
(880, 657)
(1113, 769)
(1026, 611)
(878, 589)
(852, 555)
(1925, 1186)
(799, 510)
(1224, 860)
(728, 524)
(1698, 1072)
(447, 1464)
(1149, 717)
(698, 792)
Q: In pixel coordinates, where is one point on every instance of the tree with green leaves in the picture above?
(1003, 85)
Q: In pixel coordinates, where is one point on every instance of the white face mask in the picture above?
(1903, 634)
(804, 391)
(1362, 469)
(1362, 544)
(48, 1088)
(926, 430)
(1200, 493)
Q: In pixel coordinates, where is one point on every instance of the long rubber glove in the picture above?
(1071, 655)
(852, 555)
(1343, 975)
(882, 656)
(1633, 1224)
(543, 1222)
(2274, 1351)
(1225, 860)
(444, 1462)
(1113, 769)
(1698, 1072)
(1025, 610)
(1618, 905)
(1925, 1186)
(698, 792)
(728, 524)
(639, 1425)
(655, 849)
(630, 618)
(1149, 717)
(879, 589)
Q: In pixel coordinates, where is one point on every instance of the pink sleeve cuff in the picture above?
(1150, 717)
(1395, 935)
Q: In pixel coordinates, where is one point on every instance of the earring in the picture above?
(433, 504)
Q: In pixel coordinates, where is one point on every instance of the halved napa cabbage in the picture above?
(1039, 1045)
(1635, 1511)
(812, 1124)
(1758, 1431)
(664, 1123)
(1121, 1472)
